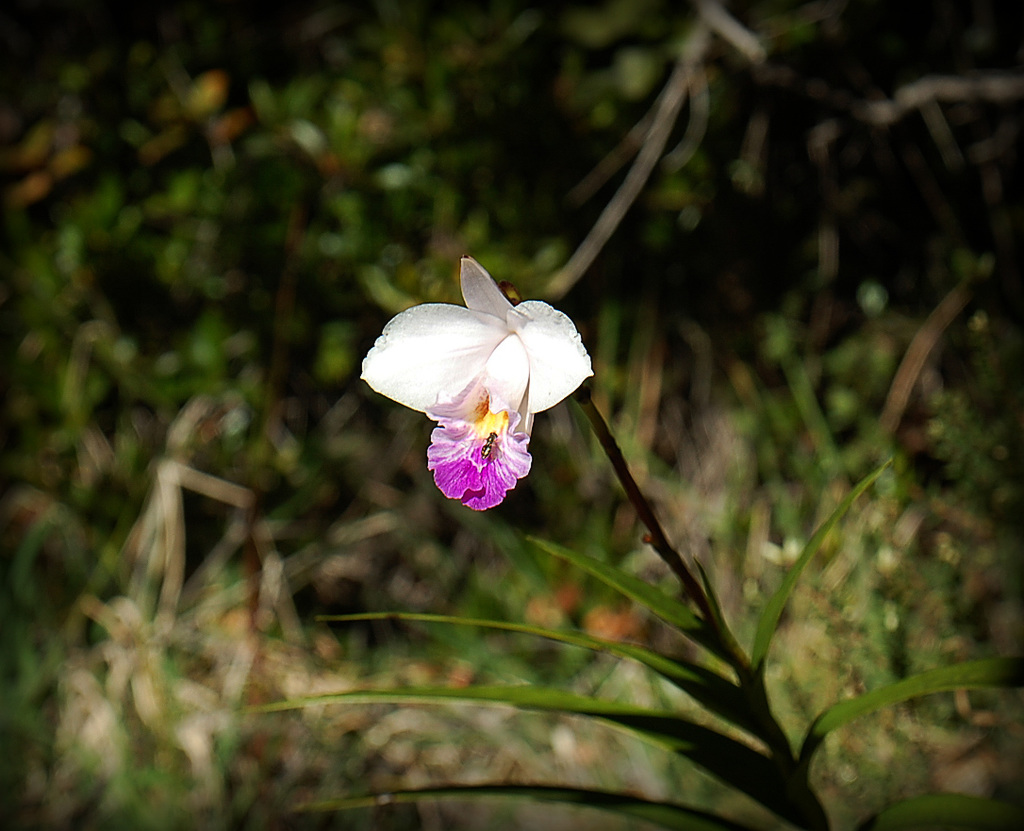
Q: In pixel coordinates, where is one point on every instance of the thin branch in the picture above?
(713, 17)
(991, 87)
(729, 29)
(995, 87)
(917, 353)
(696, 127)
(700, 110)
(610, 164)
(670, 102)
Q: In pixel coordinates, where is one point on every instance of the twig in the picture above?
(211, 486)
(917, 353)
(696, 127)
(261, 452)
(609, 165)
(993, 87)
(713, 17)
(670, 102)
(729, 29)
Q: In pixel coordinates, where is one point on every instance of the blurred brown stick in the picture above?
(917, 354)
(670, 102)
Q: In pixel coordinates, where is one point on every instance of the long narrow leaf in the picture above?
(947, 811)
(725, 634)
(987, 672)
(662, 814)
(667, 608)
(769, 621)
(716, 693)
(727, 759)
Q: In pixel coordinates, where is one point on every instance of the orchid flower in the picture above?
(480, 372)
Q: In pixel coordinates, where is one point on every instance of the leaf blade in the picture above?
(669, 609)
(986, 672)
(947, 811)
(769, 620)
(705, 686)
(663, 814)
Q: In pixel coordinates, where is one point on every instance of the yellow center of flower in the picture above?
(488, 422)
(485, 422)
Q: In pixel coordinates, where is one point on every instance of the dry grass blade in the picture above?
(917, 354)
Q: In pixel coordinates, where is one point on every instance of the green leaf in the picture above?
(730, 761)
(705, 686)
(725, 633)
(947, 811)
(987, 672)
(663, 814)
(769, 621)
(667, 608)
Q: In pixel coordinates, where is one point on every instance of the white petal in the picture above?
(480, 291)
(558, 360)
(429, 352)
(508, 373)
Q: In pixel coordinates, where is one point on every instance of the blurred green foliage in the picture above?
(211, 209)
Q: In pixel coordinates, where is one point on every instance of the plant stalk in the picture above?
(751, 681)
(655, 536)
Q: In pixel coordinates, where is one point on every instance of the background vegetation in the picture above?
(210, 211)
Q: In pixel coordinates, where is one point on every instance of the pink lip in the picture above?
(463, 471)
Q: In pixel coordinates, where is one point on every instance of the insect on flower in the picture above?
(485, 451)
(481, 372)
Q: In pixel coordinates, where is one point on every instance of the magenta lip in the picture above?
(477, 470)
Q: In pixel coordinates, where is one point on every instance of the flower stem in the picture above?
(751, 681)
(655, 536)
